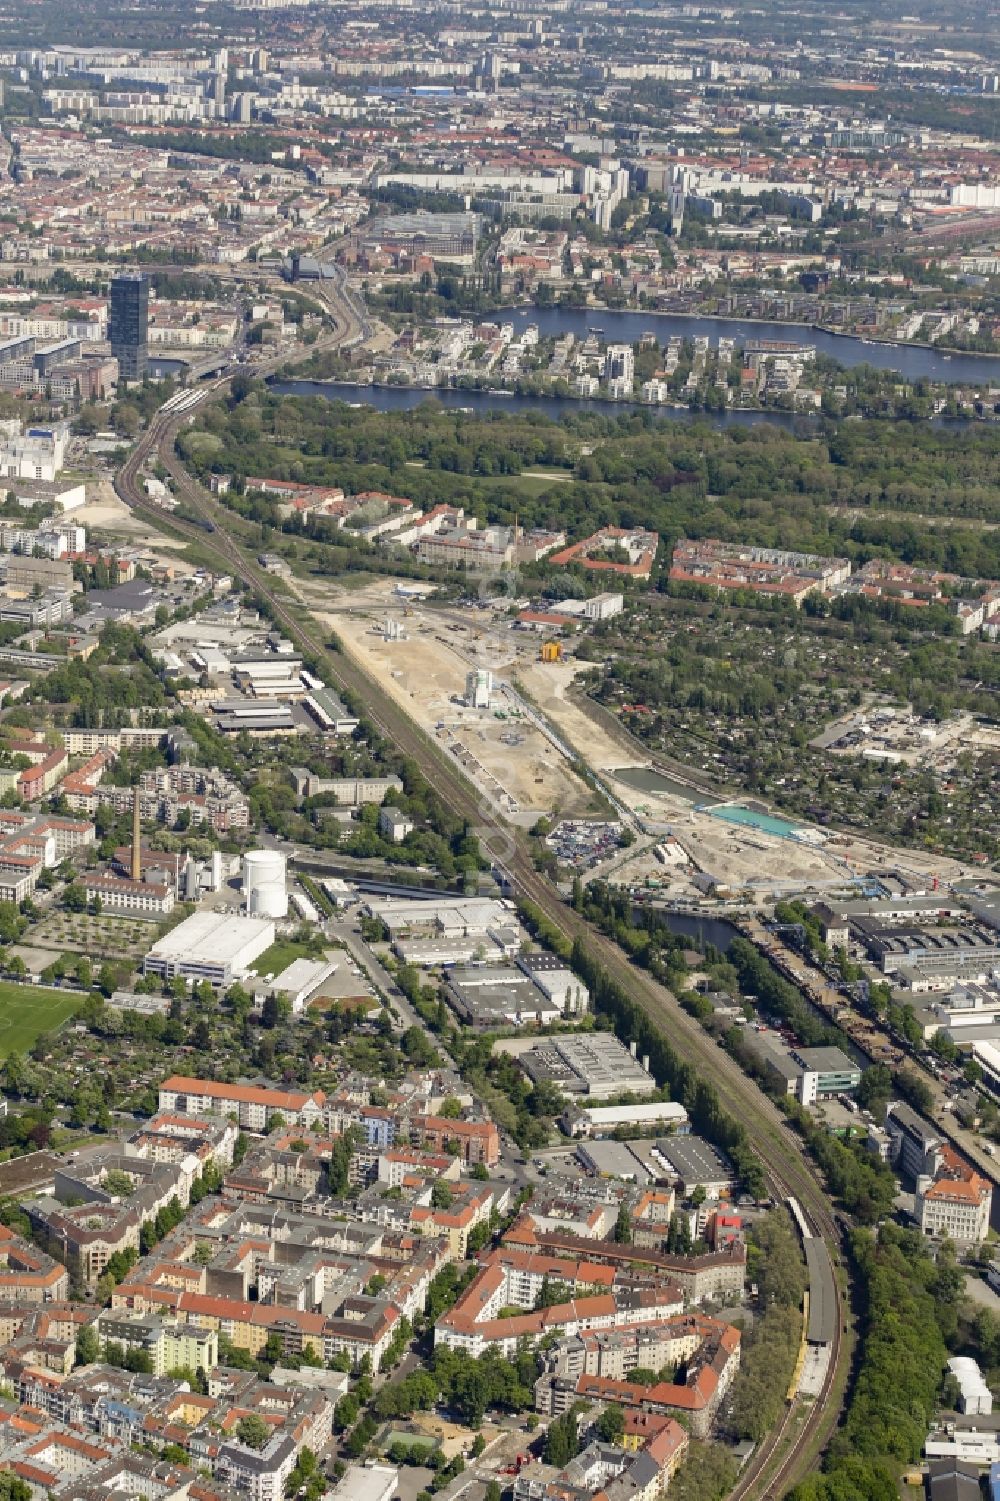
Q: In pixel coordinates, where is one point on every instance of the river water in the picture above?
(700, 928)
(912, 361)
(404, 398)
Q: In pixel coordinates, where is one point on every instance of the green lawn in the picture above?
(528, 484)
(280, 955)
(413, 1440)
(27, 1012)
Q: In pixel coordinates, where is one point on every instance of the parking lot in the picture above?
(583, 843)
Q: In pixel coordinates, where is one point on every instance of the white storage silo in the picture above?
(268, 899)
(264, 883)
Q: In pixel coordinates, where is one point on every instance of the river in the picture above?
(912, 361)
(404, 398)
(701, 928)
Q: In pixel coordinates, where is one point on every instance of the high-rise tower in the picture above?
(130, 323)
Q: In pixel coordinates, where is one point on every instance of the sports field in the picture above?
(27, 1011)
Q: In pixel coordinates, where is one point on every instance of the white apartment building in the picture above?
(259, 1476)
(37, 454)
(603, 606)
(249, 1104)
(118, 894)
(53, 539)
(958, 1209)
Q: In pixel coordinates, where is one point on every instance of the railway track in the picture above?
(787, 1172)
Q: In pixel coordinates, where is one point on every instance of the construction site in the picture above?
(507, 705)
(454, 677)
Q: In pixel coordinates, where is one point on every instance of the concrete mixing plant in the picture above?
(264, 884)
(479, 688)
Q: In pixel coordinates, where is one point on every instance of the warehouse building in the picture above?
(253, 716)
(449, 237)
(596, 1065)
(370, 1482)
(838, 918)
(909, 950)
(601, 1121)
(299, 982)
(557, 982)
(491, 996)
(329, 710)
(611, 1159)
(210, 946)
(695, 1163)
(810, 1074)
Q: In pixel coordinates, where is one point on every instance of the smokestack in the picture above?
(136, 838)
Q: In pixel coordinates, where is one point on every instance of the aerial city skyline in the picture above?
(499, 751)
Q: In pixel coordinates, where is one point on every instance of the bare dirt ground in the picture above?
(519, 769)
(741, 857)
(105, 512)
(453, 1437)
(425, 673)
(549, 684)
(765, 863)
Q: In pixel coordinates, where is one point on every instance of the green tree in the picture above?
(774, 1260)
(13, 1488)
(75, 897)
(611, 1424)
(441, 1195)
(708, 1474)
(253, 1431)
(87, 1347)
(561, 1440)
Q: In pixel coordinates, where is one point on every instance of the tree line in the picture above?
(907, 1303)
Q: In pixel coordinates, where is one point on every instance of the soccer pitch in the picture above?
(26, 1012)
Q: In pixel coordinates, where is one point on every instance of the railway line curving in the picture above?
(788, 1173)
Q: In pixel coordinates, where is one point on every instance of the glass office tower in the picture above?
(129, 323)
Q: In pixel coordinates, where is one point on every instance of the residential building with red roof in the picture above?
(957, 1204)
(253, 1105)
(638, 546)
(707, 1349)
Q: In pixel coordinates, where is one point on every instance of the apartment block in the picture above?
(251, 1105)
(170, 1346)
(762, 570)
